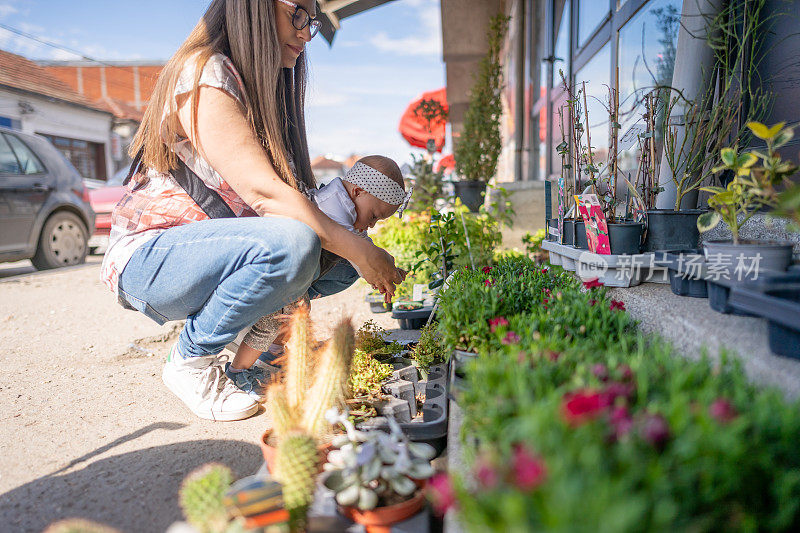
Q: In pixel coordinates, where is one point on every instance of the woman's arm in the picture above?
(229, 144)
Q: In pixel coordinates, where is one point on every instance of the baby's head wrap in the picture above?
(379, 185)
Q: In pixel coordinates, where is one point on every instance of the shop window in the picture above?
(647, 45)
(538, 156)
(87, 157)
(590, 14)
(561, 20)
(596, 75)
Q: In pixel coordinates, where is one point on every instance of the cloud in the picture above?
(6, 10)
(326, 99)
(428, 43)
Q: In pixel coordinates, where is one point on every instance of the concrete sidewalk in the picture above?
(87, 427)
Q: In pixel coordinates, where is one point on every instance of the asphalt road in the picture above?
(87, 428)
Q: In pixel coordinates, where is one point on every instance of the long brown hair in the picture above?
(245, 32)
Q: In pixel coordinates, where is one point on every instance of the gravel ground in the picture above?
(87, 427)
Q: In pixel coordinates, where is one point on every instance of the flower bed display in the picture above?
(575, 420)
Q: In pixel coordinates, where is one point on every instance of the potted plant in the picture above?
(750, 190)
(312, 383)
(478, 146)
(377, 477)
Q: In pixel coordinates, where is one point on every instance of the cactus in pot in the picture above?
(201, 496)
(370, 469)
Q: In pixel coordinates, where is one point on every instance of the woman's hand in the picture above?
(378, 269)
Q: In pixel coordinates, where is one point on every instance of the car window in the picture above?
(28, 161)
(8, 161)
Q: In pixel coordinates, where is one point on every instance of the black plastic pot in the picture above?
(770, 256)
(581, 242)
(671, 230)
(470, 193)
(414, 319)
(625, 237)
(685, 279)
(568, 232)
(779, 303)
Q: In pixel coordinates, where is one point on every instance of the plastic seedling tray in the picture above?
(405, 384)
(414, 319)
(719, 290)
(611, 270)
(686, 270)
(779, 304)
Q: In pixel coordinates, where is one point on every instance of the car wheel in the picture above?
(63, 242)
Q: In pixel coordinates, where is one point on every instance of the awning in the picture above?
(332, 11)
(415, 129)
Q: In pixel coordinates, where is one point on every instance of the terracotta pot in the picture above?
(270, 452)
(381, 519)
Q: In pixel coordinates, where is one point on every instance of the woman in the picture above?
(229, 105)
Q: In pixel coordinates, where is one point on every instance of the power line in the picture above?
(58, 46)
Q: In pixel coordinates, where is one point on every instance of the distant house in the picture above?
(34, 101)
(121, 87)
(326, 169)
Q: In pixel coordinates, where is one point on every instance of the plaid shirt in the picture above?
(153, 201)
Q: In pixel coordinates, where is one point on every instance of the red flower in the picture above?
(655, 430)
(616, 305)
(546, 300)
(486, 474)
(440, 491)
(722, 410)
(510, 338)
(486, 269)
(544, 270)
(583, 406)
(593, 283)
(497, 322)
(592, 302)
(625, 373)
(488, 282)
(618, 390)
(528, 470)
(546, 291)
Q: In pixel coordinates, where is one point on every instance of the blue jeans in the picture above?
(222, 275)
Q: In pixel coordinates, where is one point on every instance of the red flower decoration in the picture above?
(497, 322)
(486, 269)
(583, 406)
(592, 283)
(722, 410)
(440, 491)
(528, 470)
(510, 338)
(616, 305)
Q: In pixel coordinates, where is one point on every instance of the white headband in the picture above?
(378, 185)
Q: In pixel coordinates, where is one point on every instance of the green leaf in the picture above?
(728, 156)
(708, 221)
(783, 137)
(747, 160)
(763, 132)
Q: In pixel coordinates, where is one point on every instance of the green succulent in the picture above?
(201, 497)
(298, 457)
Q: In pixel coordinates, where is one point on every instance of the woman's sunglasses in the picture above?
(301, 18)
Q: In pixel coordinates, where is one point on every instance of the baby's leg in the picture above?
(258, 340)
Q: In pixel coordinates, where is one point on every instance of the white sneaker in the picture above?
(201, 384)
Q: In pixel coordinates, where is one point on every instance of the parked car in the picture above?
(45, 214)
(104, 196)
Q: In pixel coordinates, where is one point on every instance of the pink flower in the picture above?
(486, 269)
(592, 283)
(440, 491)
(510, 338)
(616, 305)
(553, 355)
(582, 406)
(486, 474)
(546, 291)
(618, 390)
(600, 371)
(621, 421)
(722, 410)
(528, 470)
(592, 302)
(488, 282)
(655, 430)
(625, 373)
(497, 322)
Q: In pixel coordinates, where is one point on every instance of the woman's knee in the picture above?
(303, 253)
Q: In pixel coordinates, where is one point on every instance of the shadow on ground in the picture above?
(133, 492)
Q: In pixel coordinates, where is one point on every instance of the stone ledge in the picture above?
(692, 326)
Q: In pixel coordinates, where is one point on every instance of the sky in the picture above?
(380, 60)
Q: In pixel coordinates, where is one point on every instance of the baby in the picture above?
(372, 190)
